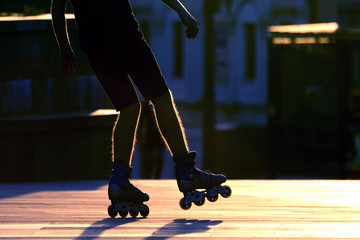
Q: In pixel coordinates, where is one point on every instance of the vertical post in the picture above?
(313, 10)
(208, 121)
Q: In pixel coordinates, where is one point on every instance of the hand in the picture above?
(191, 24)
(67, 61)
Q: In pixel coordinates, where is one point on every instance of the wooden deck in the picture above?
(256, 210)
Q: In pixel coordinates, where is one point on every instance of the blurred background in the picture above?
(268, 90)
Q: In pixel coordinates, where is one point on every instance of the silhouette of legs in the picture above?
(170, 124)
(123, 138)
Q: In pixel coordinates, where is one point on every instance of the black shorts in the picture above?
(117, 72)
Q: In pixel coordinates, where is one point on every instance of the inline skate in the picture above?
(125, 198)
(189, 178)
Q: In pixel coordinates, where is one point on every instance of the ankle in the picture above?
(120, 174)
(185, 159)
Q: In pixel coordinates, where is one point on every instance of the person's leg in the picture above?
(124, 196)
(188, 176)
(147, 77)
(124, 134)
(123, 96)
(170, 124)
(149, 80)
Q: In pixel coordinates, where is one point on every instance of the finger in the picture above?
(191, 33)
(193, 30)
(196, 30)
(194, 33)
(63, 68)
(188, 33)
(73, 67)
(67, 68)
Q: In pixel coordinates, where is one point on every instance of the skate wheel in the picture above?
(212, 198)
(111, 211)
(183, 205)
(200, 203)
(145, 211)
(123, 214)
(228, 194)
(134, 213)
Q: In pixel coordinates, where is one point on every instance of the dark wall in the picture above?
(56, 147)
(29, 7)
(310, 118)
(47, 131)
(242, 153)
(31, 82)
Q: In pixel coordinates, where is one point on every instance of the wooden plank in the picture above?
(256, 210)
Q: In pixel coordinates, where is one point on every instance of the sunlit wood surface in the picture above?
(256, 210)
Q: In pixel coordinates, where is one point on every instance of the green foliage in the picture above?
(32, 10)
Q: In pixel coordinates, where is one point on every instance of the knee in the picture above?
(165, 99)
(132, 111)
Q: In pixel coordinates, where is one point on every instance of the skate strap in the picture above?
(120, 169)
(184, 172)
(187, 160)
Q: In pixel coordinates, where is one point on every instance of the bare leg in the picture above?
(124, 134)
(170, 124)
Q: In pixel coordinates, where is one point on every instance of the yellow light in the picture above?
(281, 41)
(306, 28)
(305, 40)
(324, 40)
(32, 18)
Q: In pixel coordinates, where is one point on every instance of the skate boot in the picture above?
(125, 197)
(189, 178)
